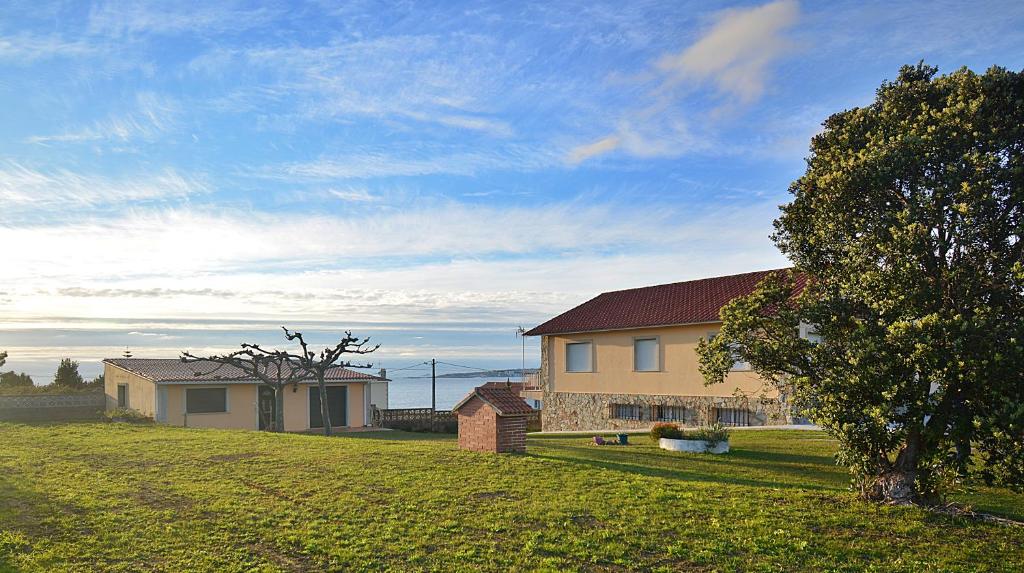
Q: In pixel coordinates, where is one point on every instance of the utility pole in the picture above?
(433, 393)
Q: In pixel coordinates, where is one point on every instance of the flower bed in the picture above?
(697, 446)
(712, 439)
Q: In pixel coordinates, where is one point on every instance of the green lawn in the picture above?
(95, 497)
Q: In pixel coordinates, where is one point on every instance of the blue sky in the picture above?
(431, 174)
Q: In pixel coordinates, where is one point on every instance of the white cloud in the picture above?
(24, 49)
(405, 161)
(736, 52)
(152, 116)
(116, 18)
(23, 187)
(734, 55)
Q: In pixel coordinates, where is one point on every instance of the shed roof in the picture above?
(501, 397)
(173, 370)
(689, 302)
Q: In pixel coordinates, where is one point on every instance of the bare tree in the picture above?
(270, 368)
(278, 368)
(317, 364)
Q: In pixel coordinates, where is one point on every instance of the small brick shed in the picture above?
(492, 418)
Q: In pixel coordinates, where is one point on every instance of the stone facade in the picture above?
(51, 407)
(567, 411)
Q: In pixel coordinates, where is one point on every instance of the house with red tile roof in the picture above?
(210, 395)
(627, 359)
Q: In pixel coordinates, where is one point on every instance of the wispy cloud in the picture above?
(25, 48)
(405, 161)
(734, 56)
(117, 18)
(452, 82)
(24, 187)
(153, 115)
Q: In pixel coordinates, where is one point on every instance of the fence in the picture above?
(416, 420)
(419, 420)
(51, 407)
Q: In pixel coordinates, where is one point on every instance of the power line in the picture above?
(469, 367)
(411, 366)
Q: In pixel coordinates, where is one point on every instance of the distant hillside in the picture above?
(508, 373)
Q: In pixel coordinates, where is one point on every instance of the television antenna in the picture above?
(521, 334)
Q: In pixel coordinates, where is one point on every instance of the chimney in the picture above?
(383, 373)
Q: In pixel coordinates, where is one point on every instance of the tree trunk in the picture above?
(897, 483)
(895, 486)
(279, 408)
(325, 413)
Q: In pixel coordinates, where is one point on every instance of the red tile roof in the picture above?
(505, 400)
(690, 302)
(174, 370)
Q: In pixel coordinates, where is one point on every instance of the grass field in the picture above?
(94, 497)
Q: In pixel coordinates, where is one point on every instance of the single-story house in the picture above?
(210, 395)
(627, 359)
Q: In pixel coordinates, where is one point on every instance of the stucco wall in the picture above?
(141, 392)
(613, 365)
(296, 406)
(241, 412)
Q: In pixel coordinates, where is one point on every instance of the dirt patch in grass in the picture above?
(285, 562)
(222, 458)
(491, 495)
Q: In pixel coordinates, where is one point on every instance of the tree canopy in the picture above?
(67, 375)
(907, 228)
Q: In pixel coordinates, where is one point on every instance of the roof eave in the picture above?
(668, 325)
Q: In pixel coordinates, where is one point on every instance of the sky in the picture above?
(431, 174)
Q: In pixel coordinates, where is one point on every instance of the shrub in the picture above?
(712, 434)
(666, 430)
(126, 415)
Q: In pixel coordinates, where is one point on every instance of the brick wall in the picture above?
(482, 430)
(478, 427)
(512, 434)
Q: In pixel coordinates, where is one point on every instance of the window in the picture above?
(337, 406)
(810, 333)
(206, 400)
(738, 365)
(626, 411)
(645, 355)
(122, 395)
(579, 357)
(733, 417)
(670, 413)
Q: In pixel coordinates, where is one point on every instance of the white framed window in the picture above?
(206, 400)
(646, 354)
(579, 357)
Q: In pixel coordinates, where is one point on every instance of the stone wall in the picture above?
(567, 411)
(51, 407)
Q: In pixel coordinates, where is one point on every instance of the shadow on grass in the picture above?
(625, 461)
(397, 436)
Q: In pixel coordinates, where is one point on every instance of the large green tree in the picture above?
(67, 375)
(907, 237)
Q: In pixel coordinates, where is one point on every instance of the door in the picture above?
(266, 410)
(337, 406)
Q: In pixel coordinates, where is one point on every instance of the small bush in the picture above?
(713, 434)
(126, 415)
(666, 430)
